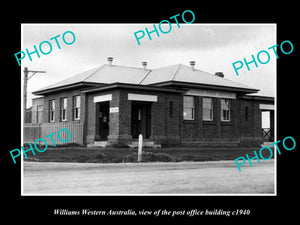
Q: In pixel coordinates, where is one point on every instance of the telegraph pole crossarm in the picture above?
(34, 72)
(26, 78)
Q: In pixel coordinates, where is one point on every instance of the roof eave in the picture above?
(133, 86)
(207, 86)
(65, 87)
(261, 98)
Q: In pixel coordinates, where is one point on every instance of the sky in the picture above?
(214, 47)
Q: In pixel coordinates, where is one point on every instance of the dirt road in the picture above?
(214, 177)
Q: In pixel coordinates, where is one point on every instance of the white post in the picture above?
(140, 148)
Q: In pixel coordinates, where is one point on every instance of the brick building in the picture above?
(174, 105)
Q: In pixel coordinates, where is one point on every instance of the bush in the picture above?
(115, 160)
(100, 156)
(131, 158)
(82, 158)
(150, 157)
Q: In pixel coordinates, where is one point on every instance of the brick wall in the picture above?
(166, 118)
(120, 122)
(36, 102)
(202, 132)
(57, 97)
(91, 116)
(69, 112)
(237, 131)
(250, 126)
(173, 118)
(164, 128)
(167, 124)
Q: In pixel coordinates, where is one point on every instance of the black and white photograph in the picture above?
(166, 116)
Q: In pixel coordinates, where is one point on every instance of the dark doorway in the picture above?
(103, 120)
(141, 119)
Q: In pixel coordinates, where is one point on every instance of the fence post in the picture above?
(140, 148)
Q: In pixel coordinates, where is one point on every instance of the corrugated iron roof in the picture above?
(182, 73)
(121, 74)
(71, 80)
(109, 74)
(105, 74)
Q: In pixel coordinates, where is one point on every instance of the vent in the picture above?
(192, 64)
(144, 65)
(219, 74)
(110, 59)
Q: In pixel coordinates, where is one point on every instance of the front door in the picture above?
(103, 120)
(141, 119)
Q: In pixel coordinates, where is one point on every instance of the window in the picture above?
(63, 109)
(52, 110)
(39, 114)
(225, 110)
(188, 107)
(139, 114)
(76, 112)
(207, 109)
(170, 109)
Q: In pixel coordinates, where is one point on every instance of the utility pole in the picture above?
(26, 78)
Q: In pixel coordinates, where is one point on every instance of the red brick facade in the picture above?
(168, 126)
(166, 105)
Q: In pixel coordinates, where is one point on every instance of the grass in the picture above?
(119, 155)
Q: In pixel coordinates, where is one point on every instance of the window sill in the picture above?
(229, 123)
(190, 121)
(209, 122)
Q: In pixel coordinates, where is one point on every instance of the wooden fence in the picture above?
(32, 132)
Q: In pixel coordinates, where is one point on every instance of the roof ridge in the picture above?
(130, 67)
(174, 74)
(145, 76)
(93, 73)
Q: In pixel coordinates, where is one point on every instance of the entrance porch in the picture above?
(120, 119)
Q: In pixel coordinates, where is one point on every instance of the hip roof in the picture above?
(178, 73)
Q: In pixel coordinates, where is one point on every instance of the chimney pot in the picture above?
(110, 59)
(192, 64)
(144, 65)
(219, 74)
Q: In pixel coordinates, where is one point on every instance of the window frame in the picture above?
(76, 108)
(39, 113)
(226, 110)
(190, 108)
(63, 108)
(211, 110)
(52, 110)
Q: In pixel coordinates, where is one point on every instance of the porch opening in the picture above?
(103, 120)
(268, 125)
(141, 119)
